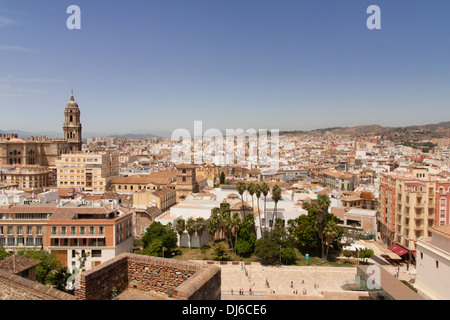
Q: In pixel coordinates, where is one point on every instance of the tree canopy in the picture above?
(158, 237)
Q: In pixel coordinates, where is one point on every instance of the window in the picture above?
(53, 230)
(63, 230)
(10, 230)
(29, 242)
(101, 230)
(82, 230)
(20, 242)
(96, 253)
(91, 230)
(1, 229)
(39, 230)
(29, 230)
(73, 230)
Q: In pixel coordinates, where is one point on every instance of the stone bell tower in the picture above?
(72, 125)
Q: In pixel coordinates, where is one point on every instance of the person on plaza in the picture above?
(231, 291)
(303, 280)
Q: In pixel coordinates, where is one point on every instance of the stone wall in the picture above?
(13, 287)
(157, 274)
(102, 281)
(178, 279)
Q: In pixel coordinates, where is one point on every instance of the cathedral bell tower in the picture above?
(72, 125)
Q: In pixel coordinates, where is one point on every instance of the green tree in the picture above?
(303, 229)
(251, 188)
(265, 191)
(220, 250)
(320, 209)
(276, 196)
(3, 253)
(213, 225)
(365, 253)
(258, 191)
(332, 232)
(222, 177)
(158, 237)
(50, 271)
(200, 226)
(235, 225)
(241, 187)
(276, 246)
(190, 228)
(245, 244)
(180, 226)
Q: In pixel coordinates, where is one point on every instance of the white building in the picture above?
(433, 264)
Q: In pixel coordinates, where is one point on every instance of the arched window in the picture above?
(443, 202)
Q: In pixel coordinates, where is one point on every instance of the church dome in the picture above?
(72, 103)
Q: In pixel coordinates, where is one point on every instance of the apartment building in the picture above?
(150, 182)
(411, 203)
(337, 180)
(433, 264)
(101, 231)
(162, 199)
(25, 176)
(90, 172)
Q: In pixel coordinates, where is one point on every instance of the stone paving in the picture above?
(254, 275)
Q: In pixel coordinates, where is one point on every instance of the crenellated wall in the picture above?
(178, 279)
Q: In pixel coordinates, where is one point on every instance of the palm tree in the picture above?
(213, 222)
(331, 232)
(200, 226)
(258, 191)
(265, 191)
(241, 187)
(320, 209)
(236, 223)
(190, 228)
(276, 196)
(180, 226)
(251, 188)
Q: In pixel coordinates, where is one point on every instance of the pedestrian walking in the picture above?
(303, 280)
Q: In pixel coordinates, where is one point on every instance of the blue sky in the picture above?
(143, 66)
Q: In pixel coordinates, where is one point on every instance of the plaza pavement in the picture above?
(279, 278)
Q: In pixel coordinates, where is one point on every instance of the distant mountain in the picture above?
(27, 134)
(134, 136)
(396, 134)
(54, 134)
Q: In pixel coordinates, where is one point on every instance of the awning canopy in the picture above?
(398, 250)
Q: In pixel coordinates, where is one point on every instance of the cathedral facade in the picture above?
(42, 150)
